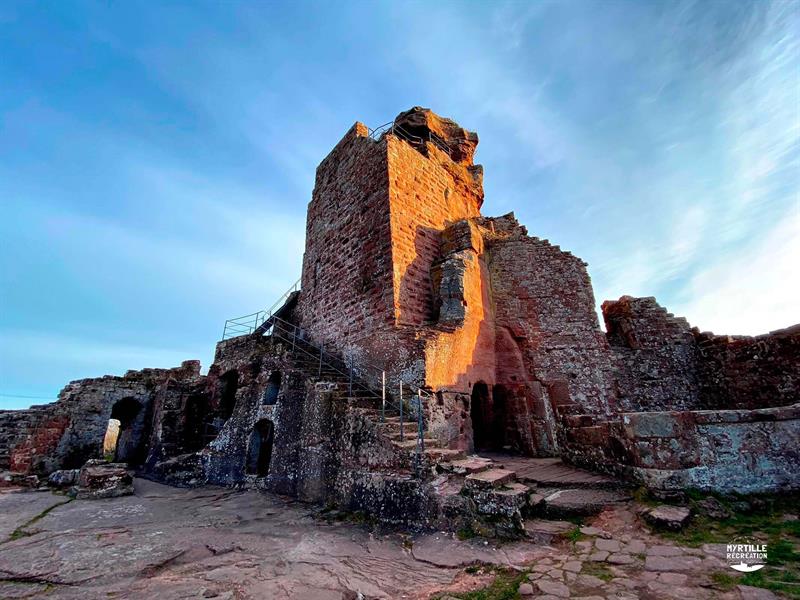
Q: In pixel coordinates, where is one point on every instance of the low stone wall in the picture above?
(745, 451)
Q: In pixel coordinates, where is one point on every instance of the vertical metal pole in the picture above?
(294, 336)
(383, 396)
(401, 411)
(321, 346)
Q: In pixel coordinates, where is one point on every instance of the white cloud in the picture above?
(753, 291)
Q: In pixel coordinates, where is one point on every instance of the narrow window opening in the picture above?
(273, 389)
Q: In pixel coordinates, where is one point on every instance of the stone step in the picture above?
(569, 409)
(395, 418)
(490, 478)
(554, 474)
(409, 432)
(468, 465)
(543, 531)
(579, 502)
(393, 423)
(439, 454)
(411, 444)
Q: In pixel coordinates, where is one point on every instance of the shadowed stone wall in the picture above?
(665, 364)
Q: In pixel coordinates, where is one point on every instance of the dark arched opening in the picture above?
(195, 423)
(259, 448)
(227, 401)
(480, 411)
(273, 388)
(501, 437)
(124, 432)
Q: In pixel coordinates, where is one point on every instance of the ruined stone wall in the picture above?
(544, 305)
(25, 434)
(745, 451)
(749, 372)
(68, 432)
(325, 449)
(259, 360)
(665, 364)
(656, 354)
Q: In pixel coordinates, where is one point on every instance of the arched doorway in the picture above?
(195, 424)
(480, 411)
(272, 390)
(501, 437)
(259, 448)
(227, 400)
(124, 431)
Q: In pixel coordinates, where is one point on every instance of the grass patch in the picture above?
(763, 522)
(505, 586)
(599, 570)
(778, 580)
(724, 581)
(20, 532)
(575, 535)
(466, 533)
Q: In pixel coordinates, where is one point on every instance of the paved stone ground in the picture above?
(619, 559)
(170, 543)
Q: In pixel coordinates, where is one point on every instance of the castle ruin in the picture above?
(426, 345)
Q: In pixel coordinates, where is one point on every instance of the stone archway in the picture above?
(259, 448)
(125, 431)
(480, 411)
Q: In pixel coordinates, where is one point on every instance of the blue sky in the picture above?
(156, 158)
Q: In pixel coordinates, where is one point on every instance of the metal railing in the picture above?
(366, 379)
(392, 128)
(358, 378)
(250, 323)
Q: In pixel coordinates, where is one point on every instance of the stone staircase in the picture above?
(542, 492)
(361, 396)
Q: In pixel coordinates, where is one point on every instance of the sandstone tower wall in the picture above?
(347, 279)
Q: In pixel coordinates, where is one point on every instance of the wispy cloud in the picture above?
(157, 168)
(753, 291)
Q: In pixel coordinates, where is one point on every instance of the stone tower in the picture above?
(402, 271)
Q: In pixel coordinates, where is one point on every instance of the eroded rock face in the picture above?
(63, 478)
(422, 122)
(98, 479)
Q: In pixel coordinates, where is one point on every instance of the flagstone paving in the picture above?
(170, 543)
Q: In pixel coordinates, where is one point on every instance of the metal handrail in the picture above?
(248, 324)
(301, 340)
(267, 322)
(393, 128)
